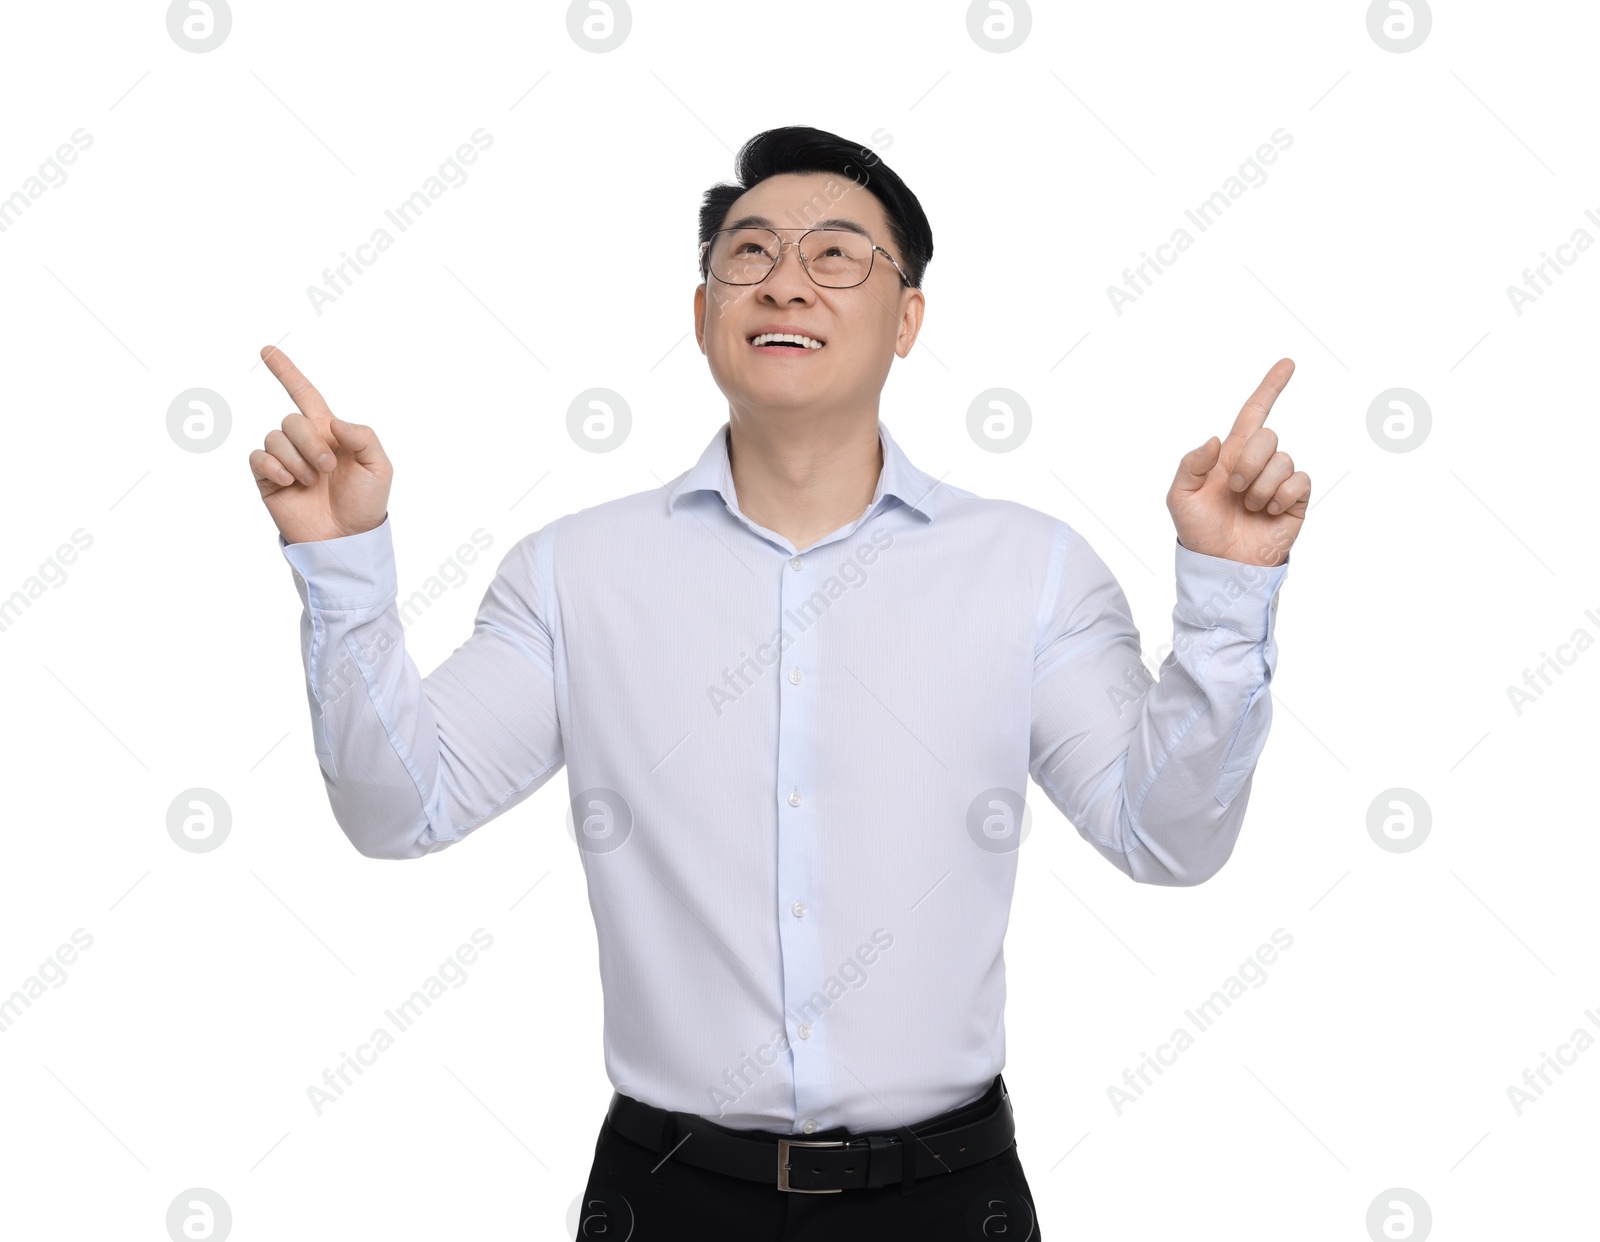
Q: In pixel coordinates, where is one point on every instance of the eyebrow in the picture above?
(835, 222)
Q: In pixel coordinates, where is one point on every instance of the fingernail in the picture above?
(326, 461)
(1236, 481)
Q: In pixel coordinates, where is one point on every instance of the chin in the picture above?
(783, 396)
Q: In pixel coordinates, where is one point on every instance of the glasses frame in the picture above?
(705, 257)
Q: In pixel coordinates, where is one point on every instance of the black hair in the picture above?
(801, 149)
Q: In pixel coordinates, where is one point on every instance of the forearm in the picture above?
(1155, 774)
(372, 727)
(1206, 723)
(1210, 713)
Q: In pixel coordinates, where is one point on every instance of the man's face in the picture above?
(862, 328)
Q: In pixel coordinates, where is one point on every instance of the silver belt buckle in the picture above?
(783, 1164)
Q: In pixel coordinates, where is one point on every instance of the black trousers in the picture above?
(636, 1194)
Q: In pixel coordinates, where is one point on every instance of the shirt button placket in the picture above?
(798, 740)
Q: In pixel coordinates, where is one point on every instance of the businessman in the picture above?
(799, 691)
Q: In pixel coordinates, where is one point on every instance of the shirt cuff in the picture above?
(1214, 591)
(353, 571)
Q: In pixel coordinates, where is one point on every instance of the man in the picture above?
(799, 691)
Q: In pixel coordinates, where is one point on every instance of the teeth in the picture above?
(771, 338)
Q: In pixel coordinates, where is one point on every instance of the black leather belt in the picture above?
(820, 1166)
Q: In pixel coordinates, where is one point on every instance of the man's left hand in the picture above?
(1242, 499)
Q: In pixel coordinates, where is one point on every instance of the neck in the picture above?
(804, 477)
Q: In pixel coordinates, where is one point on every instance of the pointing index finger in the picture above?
(300, 389)
(1254, 412)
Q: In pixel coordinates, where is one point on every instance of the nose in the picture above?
(787, 282)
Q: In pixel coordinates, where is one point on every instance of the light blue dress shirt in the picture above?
(797, 775)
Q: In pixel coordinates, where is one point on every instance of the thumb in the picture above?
(357, 440)
(1196, 465)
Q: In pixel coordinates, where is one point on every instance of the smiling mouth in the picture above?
(785, 342)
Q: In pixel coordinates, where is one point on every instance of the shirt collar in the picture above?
(898, 478)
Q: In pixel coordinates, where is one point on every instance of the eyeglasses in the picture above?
(833, 258)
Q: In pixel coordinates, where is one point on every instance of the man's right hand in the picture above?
(320, 477)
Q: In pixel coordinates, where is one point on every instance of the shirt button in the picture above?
(795, 562)
(798, 909)
(794, 797)
(803, 1030)
(794, 673)
(810, 1126)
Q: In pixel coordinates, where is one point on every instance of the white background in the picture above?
(1377, 254)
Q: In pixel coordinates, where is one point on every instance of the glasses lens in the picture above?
(743, 256)
(837, 258)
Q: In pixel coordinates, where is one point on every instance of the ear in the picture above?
(912, 304)
(700, 316)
